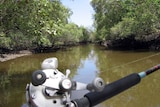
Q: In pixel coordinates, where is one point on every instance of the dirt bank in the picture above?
(6, 57)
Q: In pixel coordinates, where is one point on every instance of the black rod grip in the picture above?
(113, 89)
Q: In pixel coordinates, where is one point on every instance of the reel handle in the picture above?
(96, 85)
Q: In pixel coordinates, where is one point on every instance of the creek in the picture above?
(86, 62)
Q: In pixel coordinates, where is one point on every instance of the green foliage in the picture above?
(115, 19)
(108, 13)
(4, 41)
(123, 29)
(36, 23)
(86, 35)
(70, 33)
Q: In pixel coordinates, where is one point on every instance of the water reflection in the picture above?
(87, 69)
(86, 72)
(87, 62)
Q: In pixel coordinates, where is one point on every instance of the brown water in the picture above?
(85, 63)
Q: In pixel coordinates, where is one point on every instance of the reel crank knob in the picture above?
(38, 78)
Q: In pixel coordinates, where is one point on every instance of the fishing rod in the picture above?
(51, 88)
(93, 98)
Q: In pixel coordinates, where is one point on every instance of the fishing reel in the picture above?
(51, 88)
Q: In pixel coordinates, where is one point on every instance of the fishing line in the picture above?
(131, 62)
(134, 61)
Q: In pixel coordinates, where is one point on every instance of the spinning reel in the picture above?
(51, 88)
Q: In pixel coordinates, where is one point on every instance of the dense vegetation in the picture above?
(43, 24)
(37, 24)
(128, 22)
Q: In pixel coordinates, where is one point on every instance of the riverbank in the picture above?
(131, 44)
(6, 57)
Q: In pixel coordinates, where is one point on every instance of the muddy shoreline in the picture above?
(6, 57)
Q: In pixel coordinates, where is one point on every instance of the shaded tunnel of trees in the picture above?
(41, 25)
